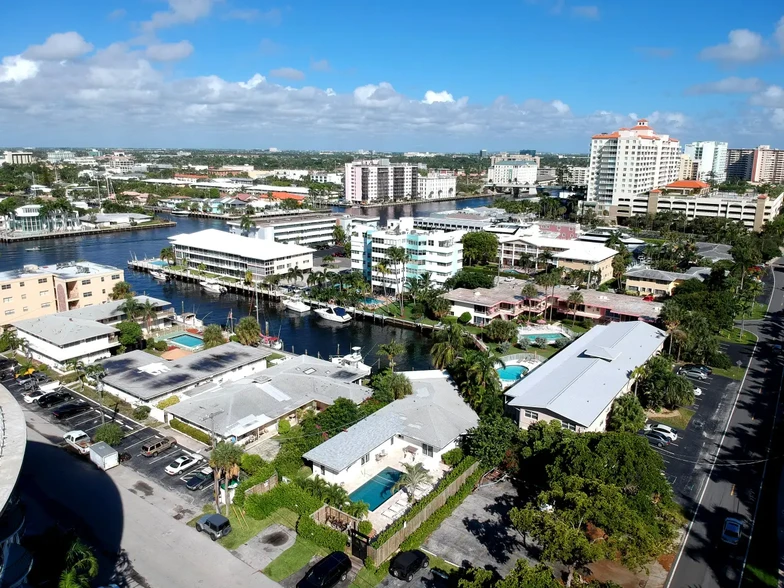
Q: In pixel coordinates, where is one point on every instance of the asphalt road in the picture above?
(728, 474)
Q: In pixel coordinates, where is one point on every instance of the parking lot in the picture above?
(135, 436)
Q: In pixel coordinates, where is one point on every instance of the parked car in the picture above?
(25, 380)
(181, 464)
(70, 409)
(215, 525)
(199, 480)
(703, 368)
(326, 573)
(408, 563)
(33, 395)
(669, 432)
(155, 445)
(694, 372)
(656, 439)
(53, 398)
(732, 531)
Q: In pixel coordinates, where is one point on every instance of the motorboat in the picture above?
(33, 249)
(296, 303)
(159, 275)
(272, 342)
(352, 360)
(336, 314)
(213, 286)
(180, 213)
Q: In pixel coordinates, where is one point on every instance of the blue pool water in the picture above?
(371, 301)
(512, 372)
(378, 489)
(545, 336)
(186, 340)
(159, 263)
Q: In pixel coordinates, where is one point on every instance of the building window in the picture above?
(42, 280)
(534, 416)
(323, 470)
(24, 296)
(7, 300)
(43, 292)
(85, 282)
(570, 426)
(102, 278)
(87, 295)
(6, 286)
(25, 309)
(21, 284)
(9, 312)
(365, 459)
(46, 305)
(115, 276)
(427, 449)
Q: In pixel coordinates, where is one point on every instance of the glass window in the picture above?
(6, 286)
(8, 299)
(534, 416)
(365, 459)
(87, 295)
(427, 449)
(42, 280)
(9, 312)
(46, 305)
(85, 282)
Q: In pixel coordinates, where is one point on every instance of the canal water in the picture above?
(300, 333)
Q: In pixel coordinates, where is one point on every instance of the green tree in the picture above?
(619, 268)
(81, 567)
(248, 278)
(167, 255)
(131, 308)
(130, 334)
(294, 275)
(121, 290)
(529, 292)
(469, 279)
(225, 461)
(148, 313)
(246, 224)
(110, 433)
(658, 386)
(338, 235)
(212, 336)
(478, 381)
(9, 340)
(480, 247)
(398, 257)
(626, 415)
(248, 331)
(439, 306)
(575, 299)
(388, 386)
(500, 330)
(672, 315)
(495, 439)
(414, 477)
(391, 350)
(449, 344)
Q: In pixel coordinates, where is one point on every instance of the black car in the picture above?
(53, 398)
(328, 572)
(215, 525)
(70, 409)
(408, 563)
(198, 481)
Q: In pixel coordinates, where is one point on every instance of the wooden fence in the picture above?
(332, 517)
(380, 553)
(264, 486)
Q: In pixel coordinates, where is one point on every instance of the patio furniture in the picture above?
(381, 455)
(411, 450)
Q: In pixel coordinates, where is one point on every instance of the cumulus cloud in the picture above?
(432, 97)
(169, 51)
(320, 65)
(60, 46)
(16, 68)
(770, 97)
(586, 12)
(731, 85)
(287, 73)
(744, 46)
(180, 12)
(253, 82)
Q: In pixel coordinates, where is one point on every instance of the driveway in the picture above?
(479, 531)
(259, 552)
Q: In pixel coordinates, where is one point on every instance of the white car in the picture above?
(181, 464)
(33, 395)
(668, 432)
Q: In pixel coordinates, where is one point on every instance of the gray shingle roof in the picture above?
(110, 310)
(434, 414)
(654, 274)
(61, 331)
(581, 381)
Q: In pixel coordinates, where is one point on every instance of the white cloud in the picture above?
(320, 65)
(777, 118)
(253, 82)
(560, 107)
(273, 16)
(433, 97)
(60, 46)
(16, 68)
(731, 85)
(744, 46)
(116, 14)
(180, 12)
(168, 51)
(587, 12)
(287, 73)
(778, 35)
(770, 97)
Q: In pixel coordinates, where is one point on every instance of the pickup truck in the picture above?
(79, 440)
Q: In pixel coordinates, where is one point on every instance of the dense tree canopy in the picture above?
(480, 247)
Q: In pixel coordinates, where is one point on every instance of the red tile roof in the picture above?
(691, 184)
(287, 196)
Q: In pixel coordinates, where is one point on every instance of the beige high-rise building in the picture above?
(36, 291)
(768, 166)
(688, 168)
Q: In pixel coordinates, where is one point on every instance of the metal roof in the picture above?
(61, 331)
(111, 310)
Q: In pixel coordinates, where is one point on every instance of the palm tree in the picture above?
(338, 235)
(391, 350)
(384, 271)
(546, 257)
(412, 479)
(201, 268)
(529, 292)
(672, 315)
(248, 331)
(212, 336)
(398, 257)
(131, 308)
(575, 299)
(246, 224)
(525, 260)
(121, 290)
(167, 255)
(336, 496)
(94, 372)
(148, 313)
(79, 367)
(413, 286)
(481, 378)
(248, 277)
(225, 461)
(619, 268)
(426, 285)
(294, 274)
(81, 566)
(449, 345)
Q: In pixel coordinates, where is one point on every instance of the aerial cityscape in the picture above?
(330, 296)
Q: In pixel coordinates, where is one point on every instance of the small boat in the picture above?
(296, 304)
(33, 249)
(180, 213)
(213, 286)
(352, 360)
(159, 275)
(336, 314)
(273, 342)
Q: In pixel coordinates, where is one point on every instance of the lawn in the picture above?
(245, 529)
(733, 373)
(758, 312)
(734, 336)
(294, 558)
(679, 421)
(393, 310)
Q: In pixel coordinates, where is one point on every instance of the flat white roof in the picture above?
(233, 244)
(578, 250)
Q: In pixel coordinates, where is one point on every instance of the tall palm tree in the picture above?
(481, 375)
(94, 371)
(575, 299)
(397, 256)
(546, 257)
(213, 336)
(225, 461)
(248, 277)
(449, 346)
(391, 350)
(121, 290)
(78, 367)
(246, 224)
(131, 308)
(335, 495)
(167, 255)
(148, 313)
(383, 269)
(339, 235)
(525, 260)
(414, 477)
(672, 315)
(413, 286)
(529, 292)
(294, 274)
(426, 285)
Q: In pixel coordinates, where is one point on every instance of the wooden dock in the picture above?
(6, 238)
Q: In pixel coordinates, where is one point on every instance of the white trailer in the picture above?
(104, 455)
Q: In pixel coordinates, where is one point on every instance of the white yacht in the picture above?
(336, 314)
(178, 212)
(159, 275)
(352, 360)
(213, 286)
(296, 303)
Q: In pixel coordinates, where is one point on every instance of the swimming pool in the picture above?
(512, 373)
(372, 301)
(378, 489)
(546, 336)
(159, 263)
(187, 340)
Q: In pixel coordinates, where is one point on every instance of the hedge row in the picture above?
(456, 472)
(321, 535)
(260, 506)
(190, 431)
(262, 475)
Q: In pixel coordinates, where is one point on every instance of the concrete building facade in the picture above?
(437, 184)
(710, 158)
(512, 173)
(379, 180)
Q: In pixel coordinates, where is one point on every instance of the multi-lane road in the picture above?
(729, 472)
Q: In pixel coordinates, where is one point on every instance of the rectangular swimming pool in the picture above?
(546, 336)
(159, 263)
(186, 340)
(378, 489)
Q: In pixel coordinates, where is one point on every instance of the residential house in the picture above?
(658, 283)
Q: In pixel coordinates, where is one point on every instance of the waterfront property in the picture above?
(34, 219)
(250, 409)
(113, 312)
(578, 385)
(302, 229)
(40, 290)
(379, 180)
(56, 340)
(105, 220)
(658, 283)
(438, 253)
(225, 254)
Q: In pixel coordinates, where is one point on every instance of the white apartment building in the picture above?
(630, 161)
(437, 184)
(512, 172)
(59, 155)
(327, 178)
(303, 230)
(438, 253)
(711, 160)
(379, 180)
(17, 157)
(227, 254)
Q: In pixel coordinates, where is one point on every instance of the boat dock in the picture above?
(9, 238)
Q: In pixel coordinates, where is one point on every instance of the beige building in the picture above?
(36, 291)
(768, 166)
(688, 168)
(657, 283)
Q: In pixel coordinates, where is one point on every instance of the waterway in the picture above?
(300, 333)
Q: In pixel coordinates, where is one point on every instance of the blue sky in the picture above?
(435, 75)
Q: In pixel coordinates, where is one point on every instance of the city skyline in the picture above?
(233, 74)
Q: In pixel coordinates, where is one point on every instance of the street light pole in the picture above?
(212, 416)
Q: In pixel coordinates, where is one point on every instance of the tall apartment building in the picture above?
(768, 166)
(307, 229)
(36, 291)
(437, 184)
(438, 253)
(711, 160)
(503, 172)
(522, 156)
(379, 180)
(687, 169)
(740, 162)
(631, 161)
